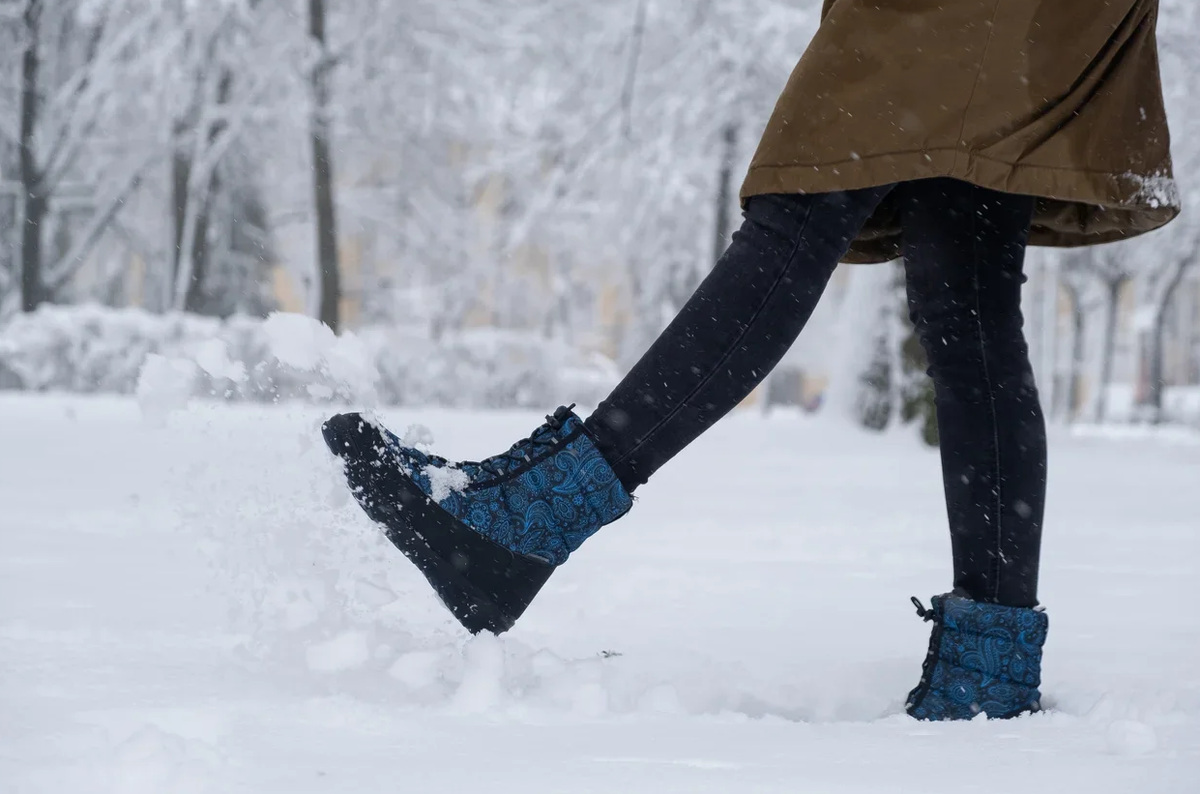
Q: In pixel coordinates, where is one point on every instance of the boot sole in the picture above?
(484, 585)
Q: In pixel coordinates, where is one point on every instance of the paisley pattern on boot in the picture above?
(543, 497)
(983, 658)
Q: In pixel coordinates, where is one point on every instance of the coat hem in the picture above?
(1076, 206)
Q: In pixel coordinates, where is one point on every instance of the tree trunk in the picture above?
(193, 200)
(896, 332)
(181, 175)
(181, 283)
(34, 216)
(724, 221)
(192, 220)
(1047, 378)
(8, 231)
(322, 164)
(201, 266)
(1109, 348)
(1075, 380)
(9, 222)
(31, 252)
(1155, 386)
(193, 300)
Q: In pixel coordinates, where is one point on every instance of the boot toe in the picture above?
(344, 432)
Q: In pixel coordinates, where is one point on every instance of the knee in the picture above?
(969, 358)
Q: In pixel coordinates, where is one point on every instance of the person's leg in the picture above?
(488, 534)
(964, 250)
(732, 331)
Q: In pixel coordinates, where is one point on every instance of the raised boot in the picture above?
(983, 658)
(486, 534)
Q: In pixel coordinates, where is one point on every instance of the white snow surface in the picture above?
(200, 607)
(212, 356)
(164, 386)
(445, 480)
(306, 344)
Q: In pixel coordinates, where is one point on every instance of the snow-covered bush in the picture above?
(92, 349)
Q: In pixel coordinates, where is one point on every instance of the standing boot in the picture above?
(487, 534)
(983, 658)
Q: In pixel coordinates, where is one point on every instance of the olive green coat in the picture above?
(1059, 99)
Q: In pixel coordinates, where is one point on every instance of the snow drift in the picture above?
(93, 349)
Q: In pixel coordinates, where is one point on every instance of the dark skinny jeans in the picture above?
(964, 249)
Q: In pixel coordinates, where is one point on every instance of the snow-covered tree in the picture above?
(1164, 260)
(78, 63)
(217, 75)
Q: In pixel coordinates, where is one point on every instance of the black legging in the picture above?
(964, 249)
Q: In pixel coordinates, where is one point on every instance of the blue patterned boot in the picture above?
(982, 658)
(487, 534)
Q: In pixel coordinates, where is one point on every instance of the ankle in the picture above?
(1017, 598)
(606, 437)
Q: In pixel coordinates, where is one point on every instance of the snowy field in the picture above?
(198, 607)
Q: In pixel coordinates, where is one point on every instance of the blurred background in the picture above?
(503, 200)
(498, 204)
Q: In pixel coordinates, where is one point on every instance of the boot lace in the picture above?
(522, 451)
(922, 612)
(931, 657)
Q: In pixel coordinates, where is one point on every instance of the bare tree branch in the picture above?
(84, 102)
(108, 207)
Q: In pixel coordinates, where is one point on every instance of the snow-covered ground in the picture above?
(198, 607)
